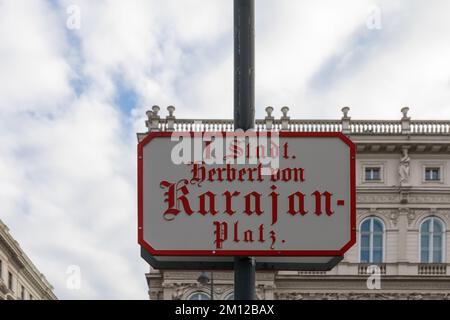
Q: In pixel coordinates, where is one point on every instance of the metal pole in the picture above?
(244, 278)
(244, 64)
(244, 117)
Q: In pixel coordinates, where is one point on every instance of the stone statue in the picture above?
(404, 170)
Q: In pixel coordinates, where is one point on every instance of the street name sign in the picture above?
(287, 199)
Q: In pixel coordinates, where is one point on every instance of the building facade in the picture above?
(19, 278)
(403, 216)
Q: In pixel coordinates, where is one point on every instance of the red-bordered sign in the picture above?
(226, 253)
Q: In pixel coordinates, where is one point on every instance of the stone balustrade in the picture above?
(404, 126)
(365, 269)
(432, 269)
(387, 269)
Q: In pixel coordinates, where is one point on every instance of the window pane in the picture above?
(365, 227)
(437, 256)
(437, 242)
(424, 241)
(425, 227)
(365, 241)
(436, 174)
(372, 233)
(365, 256)
(377, 226)
(431, 231)
(377, 256)
(424, 255)
(432, 174)
(437, 228)
(378, 242)
(376, 174)
(373, 174)
(199, 296)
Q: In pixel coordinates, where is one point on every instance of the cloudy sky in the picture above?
(72, 99)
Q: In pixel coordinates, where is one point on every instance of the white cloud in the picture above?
(33, 68)
(67, 149)
(380, 71)
(68, 191)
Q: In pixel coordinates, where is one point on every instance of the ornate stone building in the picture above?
(403, 216)
(19, 278)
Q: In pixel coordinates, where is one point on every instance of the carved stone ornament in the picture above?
(404, 169)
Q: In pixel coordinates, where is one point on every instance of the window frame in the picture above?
(372, 165)
(198, 293)
(433, 170)
(443, 240)
(372, 170)
(431, 165)
(22, 292)
(383, 247)
(10, 282)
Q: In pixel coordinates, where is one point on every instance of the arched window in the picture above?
(371, 240)
(431, 240)
(199, 296)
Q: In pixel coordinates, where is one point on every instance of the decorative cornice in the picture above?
(395, 197)
(362, 296)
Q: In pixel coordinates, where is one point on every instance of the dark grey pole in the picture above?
(244, 117)
(244, 278)
(244, 64)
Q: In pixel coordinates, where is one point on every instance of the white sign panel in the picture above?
(217, 195)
